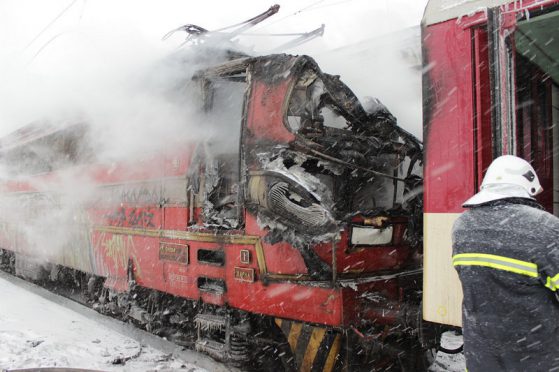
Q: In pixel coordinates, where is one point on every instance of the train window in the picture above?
(311, 108)
(332, 119)
(325, 111)
(211, 256)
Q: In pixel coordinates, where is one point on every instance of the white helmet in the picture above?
(507, 177)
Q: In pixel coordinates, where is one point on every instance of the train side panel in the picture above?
(449, 161)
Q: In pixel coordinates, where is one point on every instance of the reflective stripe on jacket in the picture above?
(505, 264)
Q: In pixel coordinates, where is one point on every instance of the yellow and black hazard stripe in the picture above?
(316, 349)
(503, 263)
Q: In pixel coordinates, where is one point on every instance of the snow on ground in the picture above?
(35, 332)
(449, 362)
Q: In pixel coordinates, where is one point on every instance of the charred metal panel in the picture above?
(258, 217)
(322, 159)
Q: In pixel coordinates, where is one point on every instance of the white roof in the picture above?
(442, 10)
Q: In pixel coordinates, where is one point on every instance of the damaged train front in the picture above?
(340, 183)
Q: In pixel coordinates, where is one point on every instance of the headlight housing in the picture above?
(365, 235)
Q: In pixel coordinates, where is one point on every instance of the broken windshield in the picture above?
(224, 98)
(310, 110)
(343, 142)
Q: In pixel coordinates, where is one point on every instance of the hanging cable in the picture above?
(308, 36)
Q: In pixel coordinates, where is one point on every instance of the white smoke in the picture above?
(93, 46)
(102, 63)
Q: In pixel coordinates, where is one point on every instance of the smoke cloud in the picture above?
(63, 58)
(103, 64)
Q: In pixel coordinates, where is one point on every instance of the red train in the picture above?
(490, 88)
(295, 231)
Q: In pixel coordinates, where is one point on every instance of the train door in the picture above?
(213, 159)
(202, 183)
(525, 77)
(490, 88)
(536, 81)
(222, 203)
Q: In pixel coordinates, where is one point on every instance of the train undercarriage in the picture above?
(250, 342)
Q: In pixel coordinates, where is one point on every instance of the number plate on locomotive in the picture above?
(173, 252)
(244, 274)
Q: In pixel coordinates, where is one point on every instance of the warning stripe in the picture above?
(332, 355)
(293, 337)
(505, 264)
(314, 348)
(303, 345)
(324, 350)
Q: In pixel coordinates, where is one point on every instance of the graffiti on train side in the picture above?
(120, 249)
(131, 217)
(149, 194)
(144, 193)
(117, 248)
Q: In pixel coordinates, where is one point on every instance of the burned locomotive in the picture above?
(294, 239)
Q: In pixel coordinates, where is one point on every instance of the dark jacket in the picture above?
(510, 321)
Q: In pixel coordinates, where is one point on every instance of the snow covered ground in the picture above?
(40, 329)
(37, 332)
(449, 362)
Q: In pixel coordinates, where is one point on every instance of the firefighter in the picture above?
(506, 252)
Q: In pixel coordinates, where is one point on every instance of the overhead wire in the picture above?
(315, 5)
(50, 24)
(82, 11)
(331, 4)
(84, 2)
(272, 34)
(45, 45)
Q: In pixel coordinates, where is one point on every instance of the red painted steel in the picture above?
(458, 131)
(448, 117)
(158, 243)
(266, 113)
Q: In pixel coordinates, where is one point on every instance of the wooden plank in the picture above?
(442, 291)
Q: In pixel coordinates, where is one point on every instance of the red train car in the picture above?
(294, 229)
(490, 88)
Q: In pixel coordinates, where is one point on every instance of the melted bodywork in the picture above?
(299, 211)
(323, 160)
